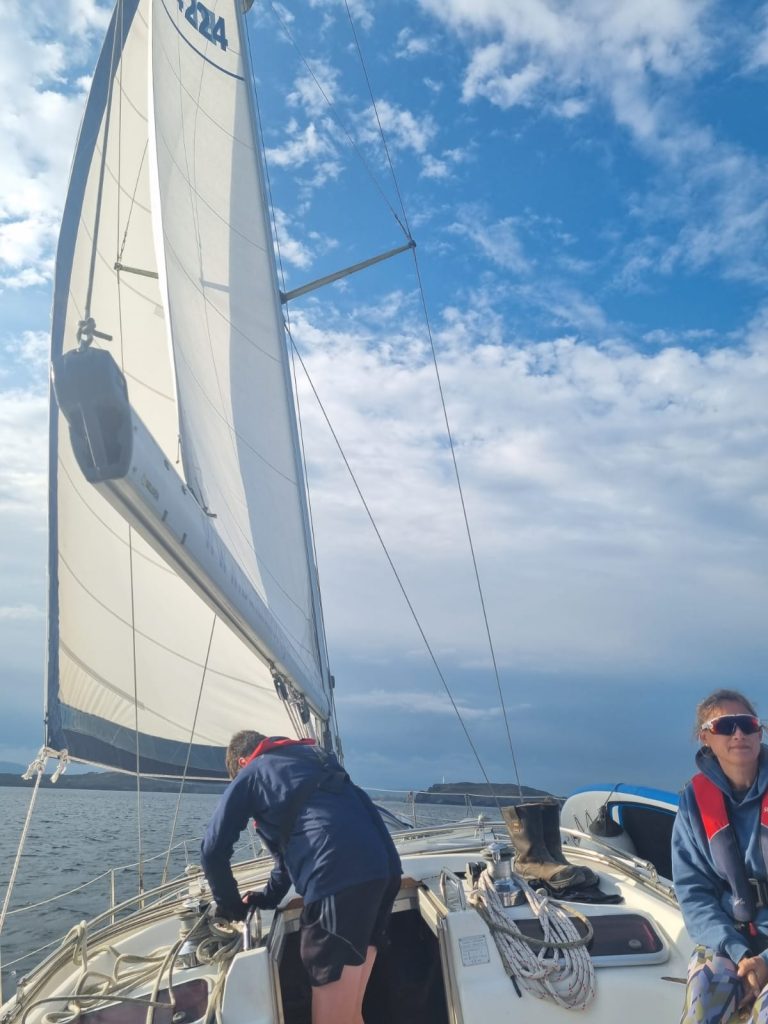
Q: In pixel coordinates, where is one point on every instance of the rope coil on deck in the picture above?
(131, 971)
(566, 975)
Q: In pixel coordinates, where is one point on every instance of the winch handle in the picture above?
(252, 928)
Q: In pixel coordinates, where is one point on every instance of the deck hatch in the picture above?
(630, 937)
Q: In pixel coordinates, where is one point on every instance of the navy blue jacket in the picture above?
(338, 838)
(704, 896)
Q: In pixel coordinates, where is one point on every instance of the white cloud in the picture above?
(30, 352)
(20, 613)
(616, 50)
(638, 59)
(486, 77)
(316, 90)
(308, 146)
(417, 702)
(618, 500)
(39, 127)
(410, 45)
(757, 44)
(403, 129)
(498, 240)
(360, 10)
(23, 430)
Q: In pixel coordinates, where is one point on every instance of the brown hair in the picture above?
(241, 745)
(714, 700)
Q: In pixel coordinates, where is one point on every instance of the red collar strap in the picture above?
(271, 742)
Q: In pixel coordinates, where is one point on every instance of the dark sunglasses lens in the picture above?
(727, 725)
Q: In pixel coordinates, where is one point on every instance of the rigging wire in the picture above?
(465, 515)
(448, 431)
(396, 574)
(117, 73)
(378, 120)
(404, 224)
(40, 765)
(133, 195)
(136, 712)
(403, 227)
(189, 753)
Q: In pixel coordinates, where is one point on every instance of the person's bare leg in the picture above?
(365, 974)
(337, 1003)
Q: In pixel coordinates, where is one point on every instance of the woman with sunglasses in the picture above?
(719, 851)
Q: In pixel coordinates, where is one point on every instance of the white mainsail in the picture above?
(166, 245)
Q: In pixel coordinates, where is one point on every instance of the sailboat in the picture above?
(184, 600)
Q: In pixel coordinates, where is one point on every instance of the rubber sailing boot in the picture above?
(534, 862)
(550, 815)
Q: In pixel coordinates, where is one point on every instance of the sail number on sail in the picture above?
(203, 20)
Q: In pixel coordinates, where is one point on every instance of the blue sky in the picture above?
(587, 185)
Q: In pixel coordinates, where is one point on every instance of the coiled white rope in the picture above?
(556, 967)
(131, 971)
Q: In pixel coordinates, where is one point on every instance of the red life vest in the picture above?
(268, 743)
(724, 848)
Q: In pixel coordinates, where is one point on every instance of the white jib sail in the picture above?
(202, 349)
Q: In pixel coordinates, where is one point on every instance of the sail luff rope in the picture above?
(449, 432)
(400, 583)
(164, 878)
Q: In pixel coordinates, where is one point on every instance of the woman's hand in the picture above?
(753, 972)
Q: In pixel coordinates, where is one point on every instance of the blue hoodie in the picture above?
(703, 894)
(338, 838)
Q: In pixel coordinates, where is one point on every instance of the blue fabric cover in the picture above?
(704, 896)
(338, 839)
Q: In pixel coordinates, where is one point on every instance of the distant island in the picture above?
(456, 793)
(112, 781)
(449, 793)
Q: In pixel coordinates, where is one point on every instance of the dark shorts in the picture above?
(337, 930)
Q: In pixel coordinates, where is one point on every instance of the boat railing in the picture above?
(115, 907)
(424, 807)
(415, 814)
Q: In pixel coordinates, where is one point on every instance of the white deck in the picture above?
(476, 986)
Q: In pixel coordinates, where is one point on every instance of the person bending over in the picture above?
(329, 841)
(719, 851)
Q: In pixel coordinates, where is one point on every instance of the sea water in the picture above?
(82, 843)
(77, 837)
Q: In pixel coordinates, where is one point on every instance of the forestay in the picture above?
(198, 334)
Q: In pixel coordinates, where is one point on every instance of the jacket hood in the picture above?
(708, 765)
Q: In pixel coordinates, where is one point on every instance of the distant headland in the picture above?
(112, 781)
(457, 793)
(448, 793)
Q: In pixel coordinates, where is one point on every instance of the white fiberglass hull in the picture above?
(444, 965)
